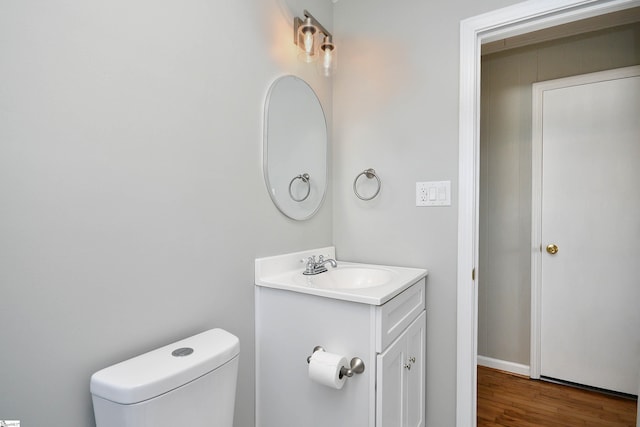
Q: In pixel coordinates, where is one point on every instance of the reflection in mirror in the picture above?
(295, 148)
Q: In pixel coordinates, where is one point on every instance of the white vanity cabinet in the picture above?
(400, 373)
(389, 338)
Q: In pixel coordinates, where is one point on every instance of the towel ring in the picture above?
(369, 173)
(304, 178)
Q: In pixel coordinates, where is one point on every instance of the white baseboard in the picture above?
(504, 365)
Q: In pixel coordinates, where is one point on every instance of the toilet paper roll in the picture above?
(324, 368)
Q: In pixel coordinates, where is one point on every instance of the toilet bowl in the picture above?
(191, 382)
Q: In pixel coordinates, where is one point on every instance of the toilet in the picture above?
(189, 383)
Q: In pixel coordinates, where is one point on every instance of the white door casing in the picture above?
(586, 201)
(520, 18)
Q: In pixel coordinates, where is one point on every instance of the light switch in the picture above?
(433, 193)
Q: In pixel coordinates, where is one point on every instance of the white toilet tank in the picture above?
(189, 383)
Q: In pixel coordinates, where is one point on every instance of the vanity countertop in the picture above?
(357, 282)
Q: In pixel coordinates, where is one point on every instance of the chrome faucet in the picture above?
(319, 266)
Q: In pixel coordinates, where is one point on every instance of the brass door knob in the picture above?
(552, 249)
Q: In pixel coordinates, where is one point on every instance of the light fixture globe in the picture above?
(306, 40)
(327, 54)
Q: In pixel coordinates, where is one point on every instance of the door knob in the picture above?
(552, 249)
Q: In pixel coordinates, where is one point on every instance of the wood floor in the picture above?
(511, 400)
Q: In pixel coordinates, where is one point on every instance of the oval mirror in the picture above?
(295, 148)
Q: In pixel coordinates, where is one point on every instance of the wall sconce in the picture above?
(304, 36)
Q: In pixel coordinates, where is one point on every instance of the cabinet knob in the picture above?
(408, 365)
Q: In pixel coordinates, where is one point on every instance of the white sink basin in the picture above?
(347, 277)
(364, 283)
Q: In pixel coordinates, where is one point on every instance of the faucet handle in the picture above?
(320, 258)
(310, 264)
(309, 261)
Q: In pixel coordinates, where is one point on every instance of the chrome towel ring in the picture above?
(370, 174)
(304, 178)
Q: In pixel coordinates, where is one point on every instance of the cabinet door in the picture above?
(415, 382)
(390, 385)
(400, 379)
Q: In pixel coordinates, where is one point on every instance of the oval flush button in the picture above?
(181, 352)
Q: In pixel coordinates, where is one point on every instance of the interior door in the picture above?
(589, 235)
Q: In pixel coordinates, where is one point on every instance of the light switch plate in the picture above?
(433, 193)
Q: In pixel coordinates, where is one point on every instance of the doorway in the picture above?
(505, 221)
(516, 20)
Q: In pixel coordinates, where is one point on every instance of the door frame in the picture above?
(536, 195)
(514, 20)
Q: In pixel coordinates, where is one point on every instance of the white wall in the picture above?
(504, 285)
(396, 110)
(132, 203)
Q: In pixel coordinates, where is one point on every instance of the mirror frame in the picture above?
(314, 204)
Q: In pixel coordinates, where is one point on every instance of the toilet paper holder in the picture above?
(357, 365)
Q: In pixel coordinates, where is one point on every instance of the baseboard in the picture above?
(504, 365)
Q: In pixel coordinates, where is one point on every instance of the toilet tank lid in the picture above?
(159, 371)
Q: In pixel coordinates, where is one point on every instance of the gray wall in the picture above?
(132, 203)
(504, 285)
(396, 110)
